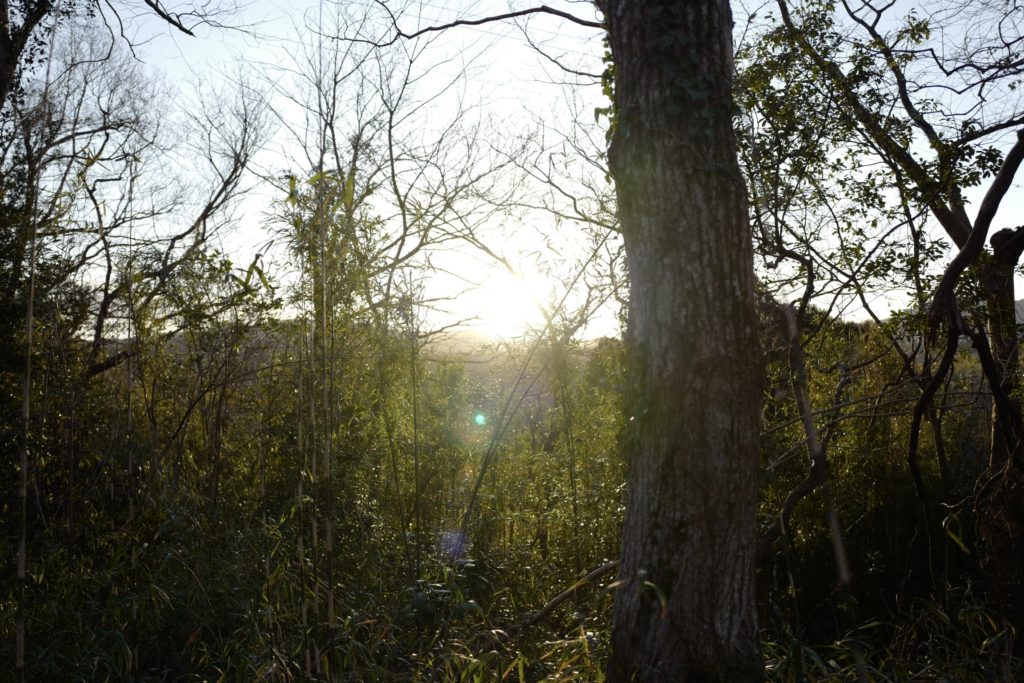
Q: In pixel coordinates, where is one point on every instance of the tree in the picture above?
(80, 191)
(897, 96)
(80, 157)
(932, 96)
(25, 26)
(380, 189)
(685, 605)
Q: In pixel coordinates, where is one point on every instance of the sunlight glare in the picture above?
(510, 305)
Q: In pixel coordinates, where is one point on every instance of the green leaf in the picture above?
(350, 191)
(951, 525)
(293, 197)
(263, 278)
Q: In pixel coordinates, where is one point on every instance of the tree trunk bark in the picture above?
(685, 610)
(1002, 330)
(8, 61)
(1000, 507)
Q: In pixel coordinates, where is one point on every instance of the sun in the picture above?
(509, 305)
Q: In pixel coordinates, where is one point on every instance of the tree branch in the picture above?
(976, 242)
(951, 222)
(543, 9)
(817, 447)
(173, 21)
(567, 593)
(1001, 184)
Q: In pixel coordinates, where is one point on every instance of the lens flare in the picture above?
(480, 419)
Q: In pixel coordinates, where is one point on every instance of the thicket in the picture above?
(234, 475)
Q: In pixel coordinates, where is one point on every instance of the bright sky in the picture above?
(507, 88)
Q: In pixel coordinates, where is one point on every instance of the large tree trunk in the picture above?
(1000, 505)
(1002, 329)
(14, 39)
(685, 610)
(8, 65)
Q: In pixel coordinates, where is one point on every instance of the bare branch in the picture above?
(170, 19)
(567, 593)
(542, 9)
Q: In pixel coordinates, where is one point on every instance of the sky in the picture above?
(505, 85)
(511, 87)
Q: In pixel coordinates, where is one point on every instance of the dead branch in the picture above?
(567, 593)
